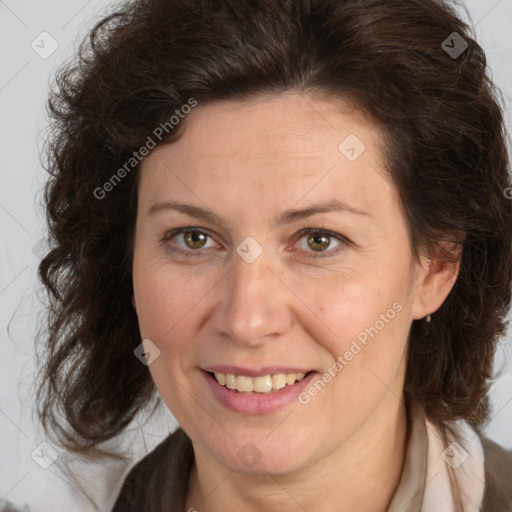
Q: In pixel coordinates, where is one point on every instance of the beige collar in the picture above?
(435, 468)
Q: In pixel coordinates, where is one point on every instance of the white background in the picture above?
(24, 79)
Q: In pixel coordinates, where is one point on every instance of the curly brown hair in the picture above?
(446, 154)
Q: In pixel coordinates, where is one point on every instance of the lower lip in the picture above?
(257, 403)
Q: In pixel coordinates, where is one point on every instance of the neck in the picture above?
(362, 474)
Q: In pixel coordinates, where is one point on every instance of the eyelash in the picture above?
(317, 231)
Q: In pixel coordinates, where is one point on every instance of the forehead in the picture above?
(278, 150)
(285, 125)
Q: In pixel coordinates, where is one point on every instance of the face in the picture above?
(274, 282)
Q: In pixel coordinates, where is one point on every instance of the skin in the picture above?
(248, 161)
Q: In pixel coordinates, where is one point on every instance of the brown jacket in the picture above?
(158, 482)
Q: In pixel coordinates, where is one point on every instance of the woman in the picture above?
(289, 221)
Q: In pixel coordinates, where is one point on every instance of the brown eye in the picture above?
(319, 242)
(194, 239)
(187, 241)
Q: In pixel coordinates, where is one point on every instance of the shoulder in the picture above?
(159, 480)
(498, 477)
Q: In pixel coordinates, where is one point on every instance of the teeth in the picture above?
(290, 379)
(262, 384)
(230, 381)
(279, 381)
(243, 383)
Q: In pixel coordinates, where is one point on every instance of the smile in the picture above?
(262, 384)
(257, 394)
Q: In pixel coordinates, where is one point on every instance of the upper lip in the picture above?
(253, 372)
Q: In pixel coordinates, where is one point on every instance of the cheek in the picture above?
(169, 311)
(367, 330)
(358, 307)
(167, 300)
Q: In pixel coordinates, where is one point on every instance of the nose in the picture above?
(254, 304)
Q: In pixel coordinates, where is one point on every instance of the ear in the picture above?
(133, 301)
(435, 280)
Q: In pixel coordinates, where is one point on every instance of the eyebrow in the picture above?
(286, 217)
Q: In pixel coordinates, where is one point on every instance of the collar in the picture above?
(440, 471)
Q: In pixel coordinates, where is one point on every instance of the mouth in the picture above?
(260, 393)
(263, 384)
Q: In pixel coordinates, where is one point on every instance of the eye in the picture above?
(193, 239)
(318, 240)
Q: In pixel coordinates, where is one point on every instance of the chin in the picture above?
(260, 458)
